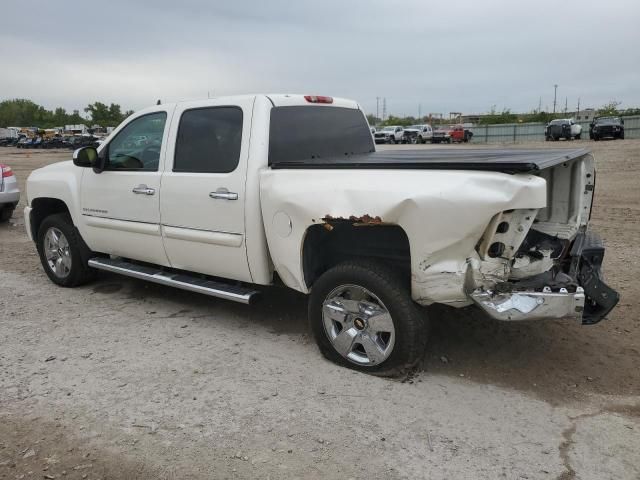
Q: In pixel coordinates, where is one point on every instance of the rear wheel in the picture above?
(362, 317)
(5, 213)
(63, 253)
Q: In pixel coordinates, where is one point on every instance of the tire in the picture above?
(393, 352)
(622, 136)
(74, 271)
(578, 136)
(5, 214)
(596, 138)
(419, 140)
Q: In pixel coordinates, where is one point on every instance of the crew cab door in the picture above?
(120, 206)
(203, 188)
(398, 134)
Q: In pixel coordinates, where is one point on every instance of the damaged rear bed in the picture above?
(504, 229)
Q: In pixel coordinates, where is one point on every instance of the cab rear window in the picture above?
(316, 132)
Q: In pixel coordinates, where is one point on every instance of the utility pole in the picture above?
(566, 104)
(578, 112)
(555, 91)
(384, 108)
(377, 108)
(540, 105)
(419, 112)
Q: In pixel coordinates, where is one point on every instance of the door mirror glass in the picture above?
(85, 157)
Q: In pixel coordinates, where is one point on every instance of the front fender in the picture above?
(60, 181)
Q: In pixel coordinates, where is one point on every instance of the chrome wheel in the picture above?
(57, 252)
(358, 325)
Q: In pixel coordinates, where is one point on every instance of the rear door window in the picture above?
(316, 132)
(209, 140)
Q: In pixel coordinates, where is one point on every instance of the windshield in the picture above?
(389, 129)
(615, 120)
(311, 132)
(415, 127)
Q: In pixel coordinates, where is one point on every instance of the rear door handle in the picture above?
(143, 190)
(223, 194)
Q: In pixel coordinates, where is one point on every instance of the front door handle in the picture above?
(223, 194)
(143, 190)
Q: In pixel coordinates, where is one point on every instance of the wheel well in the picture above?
(331, 243)
(41, 209)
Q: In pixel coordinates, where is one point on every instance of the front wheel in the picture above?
(362, 316)
(63, 253)
(578, 136)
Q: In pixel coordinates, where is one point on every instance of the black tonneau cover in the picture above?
(496, 160)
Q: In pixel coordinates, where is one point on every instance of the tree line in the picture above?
(21, 112)
(505, 116)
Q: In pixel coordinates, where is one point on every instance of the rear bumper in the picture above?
(585, 297)
(9, 191)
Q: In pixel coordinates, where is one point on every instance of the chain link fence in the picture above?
(527, 132)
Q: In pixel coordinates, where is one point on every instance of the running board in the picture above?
(178, 280)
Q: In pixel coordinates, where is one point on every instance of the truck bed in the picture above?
(495, 160)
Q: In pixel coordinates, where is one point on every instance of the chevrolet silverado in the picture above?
(229, 194)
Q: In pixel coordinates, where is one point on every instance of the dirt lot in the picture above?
(122, 379)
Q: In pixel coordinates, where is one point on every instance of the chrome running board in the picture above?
(183, 281)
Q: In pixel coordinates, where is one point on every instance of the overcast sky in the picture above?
(445, 56)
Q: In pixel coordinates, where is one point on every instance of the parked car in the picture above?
(291, 189)
(442, 134)
(9, 192)
(23, 142)
(562, 128)
(10, 142)
(606, 127)
(389, 134)
(54, 142)
(417, 134)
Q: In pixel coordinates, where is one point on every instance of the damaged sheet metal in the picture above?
(362, 220)
(531, 305)
(443, 214)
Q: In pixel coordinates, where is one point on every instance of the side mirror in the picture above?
(85, 157)
(622, 121)
(88, 157)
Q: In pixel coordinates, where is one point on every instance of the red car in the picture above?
(451, 133)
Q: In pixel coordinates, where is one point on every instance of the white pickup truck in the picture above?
(228, 194)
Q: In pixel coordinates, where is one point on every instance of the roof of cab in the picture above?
(278, 100)
(286, 100)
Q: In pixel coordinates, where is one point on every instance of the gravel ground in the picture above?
(123, 379)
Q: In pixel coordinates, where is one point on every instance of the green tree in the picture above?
(495, 117)
(610, 108)
(106, 116)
